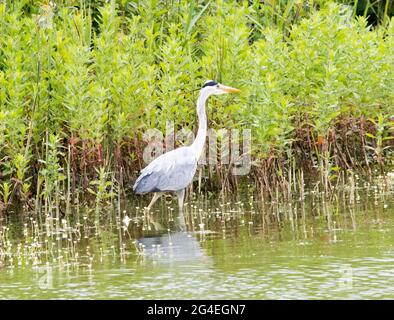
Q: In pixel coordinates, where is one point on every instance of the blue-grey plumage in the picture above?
(174, 170)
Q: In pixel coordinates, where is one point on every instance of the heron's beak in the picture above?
(228, 89)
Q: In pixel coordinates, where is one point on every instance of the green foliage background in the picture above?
(81, 81)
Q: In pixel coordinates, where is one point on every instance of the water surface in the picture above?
(237, 248)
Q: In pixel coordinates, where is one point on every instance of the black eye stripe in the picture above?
(209, 84)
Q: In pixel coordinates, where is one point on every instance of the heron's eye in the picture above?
(217, 86)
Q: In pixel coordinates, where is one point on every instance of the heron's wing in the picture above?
(171, 171)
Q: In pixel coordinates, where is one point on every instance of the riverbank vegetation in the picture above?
(82, 81)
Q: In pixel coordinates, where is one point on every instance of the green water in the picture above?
(342, 248)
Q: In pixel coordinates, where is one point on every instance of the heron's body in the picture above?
(174, 171)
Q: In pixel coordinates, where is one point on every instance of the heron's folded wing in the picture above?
(171, 171)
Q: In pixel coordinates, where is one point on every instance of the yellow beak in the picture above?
(228, 89)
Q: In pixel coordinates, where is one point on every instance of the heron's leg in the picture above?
(181, 196)
(156, 196)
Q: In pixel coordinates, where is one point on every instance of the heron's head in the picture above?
(212, 87)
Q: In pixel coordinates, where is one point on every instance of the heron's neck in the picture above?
(199, 142)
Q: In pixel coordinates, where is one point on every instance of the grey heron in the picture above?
(173, 171)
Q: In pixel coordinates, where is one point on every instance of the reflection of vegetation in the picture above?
(80, 81)
(245, 220)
